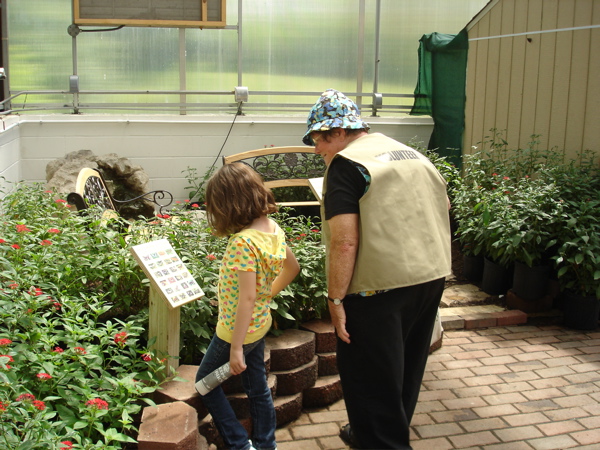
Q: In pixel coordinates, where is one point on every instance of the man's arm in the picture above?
(343, 249)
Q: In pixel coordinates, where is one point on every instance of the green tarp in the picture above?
(440, 90)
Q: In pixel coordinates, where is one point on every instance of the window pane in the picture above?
(287, 48)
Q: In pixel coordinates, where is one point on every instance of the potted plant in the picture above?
(528, 236)
(467, 212)
(578, 264)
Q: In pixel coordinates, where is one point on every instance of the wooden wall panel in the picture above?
(505, 64)
(538, 83)
(591, 135)
(562, 76)
(470, 94)
(579, 76)
(517, 74)
(480, 78)
(546, 71)
(531, 72)
(492, 69)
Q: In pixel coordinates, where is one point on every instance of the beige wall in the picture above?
(535, 74)
(163, 146)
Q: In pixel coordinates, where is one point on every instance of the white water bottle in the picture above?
(213, 379)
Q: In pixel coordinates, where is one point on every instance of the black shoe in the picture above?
(348, 437)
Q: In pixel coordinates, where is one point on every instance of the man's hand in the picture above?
(338, 319)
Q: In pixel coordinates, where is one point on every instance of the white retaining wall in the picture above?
(164, 146)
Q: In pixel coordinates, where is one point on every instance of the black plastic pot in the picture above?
(497, 279)
(473, 268)
(581, 312)
(530, 283)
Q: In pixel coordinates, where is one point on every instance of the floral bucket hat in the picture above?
(333, 110)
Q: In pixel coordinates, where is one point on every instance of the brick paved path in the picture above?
(501, 388)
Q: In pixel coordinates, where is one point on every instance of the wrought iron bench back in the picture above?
(90, 189)
(283, 167)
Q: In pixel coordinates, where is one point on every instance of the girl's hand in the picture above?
(236, 361)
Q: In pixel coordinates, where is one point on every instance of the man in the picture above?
(387, 235)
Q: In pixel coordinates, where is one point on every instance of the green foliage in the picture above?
(448, 170)
(73, 303)
(305, 298)
(61, 357)
(531, 206)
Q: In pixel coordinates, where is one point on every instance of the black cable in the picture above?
(238, 113)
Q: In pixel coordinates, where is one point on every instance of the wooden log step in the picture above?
(327, 364)
(170, 426)
(292, 349)
(325, 337)
(327, 390)
(296, 380)
(183, 391)
(288, 408)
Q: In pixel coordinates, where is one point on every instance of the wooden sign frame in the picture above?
(149, 13)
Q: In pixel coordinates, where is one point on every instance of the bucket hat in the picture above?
(333, 110)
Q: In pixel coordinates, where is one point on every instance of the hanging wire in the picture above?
(238, 113)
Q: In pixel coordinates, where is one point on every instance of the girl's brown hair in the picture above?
(235, 196)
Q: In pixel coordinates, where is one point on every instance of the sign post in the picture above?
(171, 286)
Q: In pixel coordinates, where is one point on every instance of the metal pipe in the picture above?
(360, 59)
(377, 41)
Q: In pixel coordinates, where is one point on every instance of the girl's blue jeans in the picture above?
(254, 379)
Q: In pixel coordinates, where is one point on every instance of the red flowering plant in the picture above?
(67, 334)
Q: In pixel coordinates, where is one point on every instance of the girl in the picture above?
(256, 266)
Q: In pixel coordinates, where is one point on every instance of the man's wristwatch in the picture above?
(335, 301)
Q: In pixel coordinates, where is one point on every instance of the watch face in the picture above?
(336, 301)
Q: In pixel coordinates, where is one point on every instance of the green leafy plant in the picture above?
(196, 184)
(578, 256)
(305, 298)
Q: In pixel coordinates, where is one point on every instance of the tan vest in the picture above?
(404, 221)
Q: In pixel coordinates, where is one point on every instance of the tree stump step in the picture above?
(327, 390)
(184, 391)
(296, 380)
(288, 408)
(240, 403)
(325, 337)
(327, 364)
(170, 426)
(292, 349)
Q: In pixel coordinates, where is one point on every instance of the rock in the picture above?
(123, 179)
(171, 426)
(292, 349)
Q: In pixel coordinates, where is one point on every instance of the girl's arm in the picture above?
(243, 316)
(291, 268)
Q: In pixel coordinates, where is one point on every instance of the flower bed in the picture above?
(75, 361)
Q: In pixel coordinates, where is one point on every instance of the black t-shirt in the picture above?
(345, 186)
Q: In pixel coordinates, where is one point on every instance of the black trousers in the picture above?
(382, 368)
